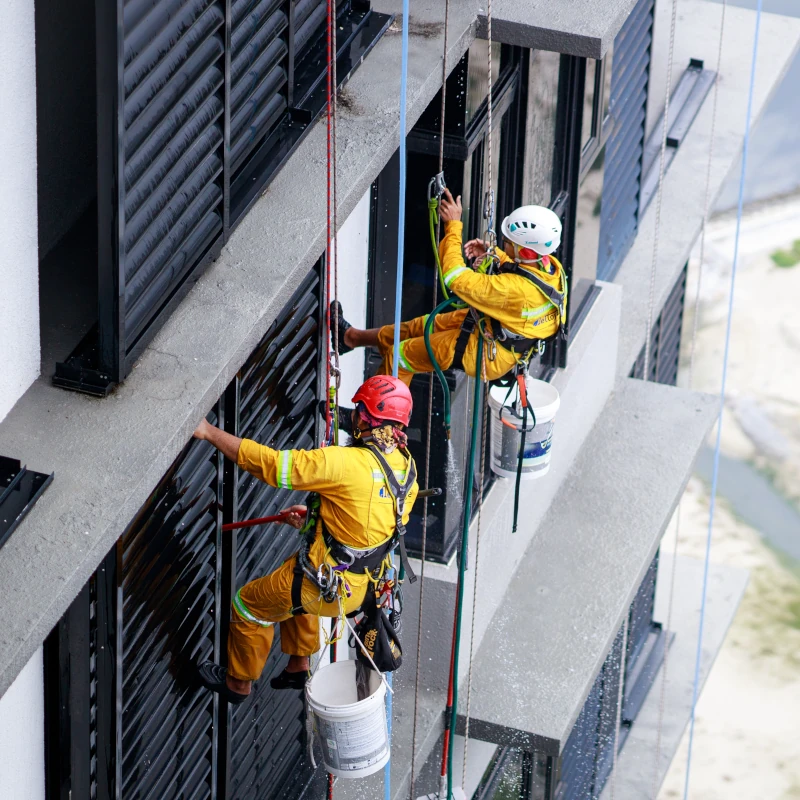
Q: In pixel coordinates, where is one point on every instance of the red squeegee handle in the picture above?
(249, 523)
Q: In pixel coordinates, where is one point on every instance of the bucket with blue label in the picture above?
(507, 425)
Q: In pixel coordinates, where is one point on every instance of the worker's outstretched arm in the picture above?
(483, 292)
(226, 442)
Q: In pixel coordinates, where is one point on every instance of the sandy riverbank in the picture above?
(747, 736)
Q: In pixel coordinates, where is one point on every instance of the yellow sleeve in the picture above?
(485, 293)
(312, 470)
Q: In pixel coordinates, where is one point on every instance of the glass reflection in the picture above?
(587, 222)
(540, 128)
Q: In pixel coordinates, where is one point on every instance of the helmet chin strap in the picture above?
(518, 256)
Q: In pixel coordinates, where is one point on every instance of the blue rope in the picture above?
(398, 300)
(715, 473)
(401, 216)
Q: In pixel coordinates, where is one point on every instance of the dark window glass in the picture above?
(478, 74)
(540, 128)
(587, 123)
(587, 222)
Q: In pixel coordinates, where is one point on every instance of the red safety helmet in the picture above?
(386, 398)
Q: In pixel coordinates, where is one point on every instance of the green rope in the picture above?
(433, 208)
(462, 557)
(450, 301)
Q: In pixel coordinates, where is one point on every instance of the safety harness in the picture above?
(327, 577)
(519, 345)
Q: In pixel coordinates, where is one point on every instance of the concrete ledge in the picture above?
(579, 28)
(683, 202)
(556, 624)
(636, 768)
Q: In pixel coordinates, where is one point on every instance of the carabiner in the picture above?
(436, 186)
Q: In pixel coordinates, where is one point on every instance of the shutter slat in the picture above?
(276, 408)
(619, 210)
(167, 594)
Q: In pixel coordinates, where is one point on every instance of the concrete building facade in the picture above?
(174, 269)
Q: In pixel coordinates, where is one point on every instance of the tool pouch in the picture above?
(379, 636)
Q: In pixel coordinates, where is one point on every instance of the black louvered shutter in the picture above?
(278, 387)
(259, 76)
(577, 761)
(619, 212)
(310, 24)
(665, 338)
(647, 642)
(168, 622)
(161, 209)
(588, 754)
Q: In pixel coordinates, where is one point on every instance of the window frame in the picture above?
(600, 124)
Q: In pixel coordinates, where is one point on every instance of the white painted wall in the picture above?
(22, 734)
(19, 261)
(353, 269)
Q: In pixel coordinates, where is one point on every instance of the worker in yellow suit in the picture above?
(522, 304)
(365, 492)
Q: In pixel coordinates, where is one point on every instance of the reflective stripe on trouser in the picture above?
(443, 343)
(268, 600)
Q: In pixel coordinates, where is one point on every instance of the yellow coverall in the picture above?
(510, 299)
(358, 511)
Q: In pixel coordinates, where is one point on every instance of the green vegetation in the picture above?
(787, 258)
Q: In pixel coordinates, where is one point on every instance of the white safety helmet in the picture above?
(534, 227)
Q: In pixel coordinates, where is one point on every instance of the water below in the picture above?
(753, 498)
(454, 477)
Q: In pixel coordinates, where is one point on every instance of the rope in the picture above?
(485, 403)
(398, 300)
(718, 443)
(401, 215)
(462, 565)
(428, 437)
(661, 170)
(690, 382)
(485, 419)
(332, 255)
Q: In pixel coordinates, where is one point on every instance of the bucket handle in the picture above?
(364, 650)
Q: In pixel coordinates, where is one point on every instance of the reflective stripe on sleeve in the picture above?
(403, 362)
(244, 612)
(452, 274)
(284, 480)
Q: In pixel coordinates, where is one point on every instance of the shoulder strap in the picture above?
(399, 492)
(552, 294)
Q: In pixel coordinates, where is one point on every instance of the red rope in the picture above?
(330, 256)
(329, 234)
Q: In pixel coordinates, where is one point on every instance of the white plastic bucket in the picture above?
(353, 734)
(506, 426)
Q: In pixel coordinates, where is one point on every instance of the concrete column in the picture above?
(19, 263)
(353, 268)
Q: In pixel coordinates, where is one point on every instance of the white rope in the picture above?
(690, 383)
(484, 413)
(661, 170)
(412, 783)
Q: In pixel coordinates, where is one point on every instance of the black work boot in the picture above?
(343, 326)
(344, 422)
(289, 680)
(212, 676)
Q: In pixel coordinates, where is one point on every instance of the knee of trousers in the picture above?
(248, 648)
(300, 635)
